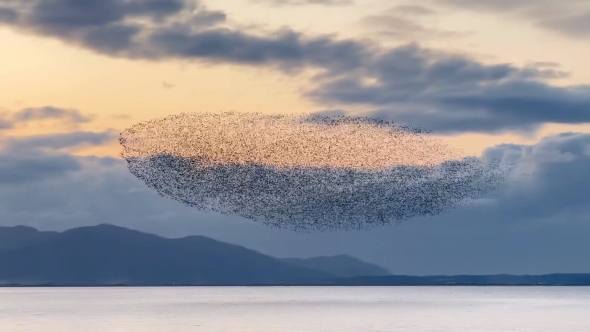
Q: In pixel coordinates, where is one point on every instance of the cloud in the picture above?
(306, 2)
(285, 49)
(499, 5)
(60, 141)
(27, 115)
(557, 188)
(49, 112)
(451, 93)
(8, 15)
(538, 225)
(443, 92)
(19, 169)
(4, 124)
(111, 27)
(576, 25)
(567, 17)
(402, 23)
(39, 158)
(545, 64)
(414, 10)
(182, 29)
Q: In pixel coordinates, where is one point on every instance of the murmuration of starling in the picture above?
(304, 172)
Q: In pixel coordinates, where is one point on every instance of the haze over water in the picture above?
(290, 309)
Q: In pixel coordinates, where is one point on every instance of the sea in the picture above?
(290, 309)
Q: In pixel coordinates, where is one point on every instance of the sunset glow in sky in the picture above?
(42, 69)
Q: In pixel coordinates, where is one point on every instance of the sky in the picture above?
(505, 78)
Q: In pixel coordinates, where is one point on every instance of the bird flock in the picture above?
(304, 172)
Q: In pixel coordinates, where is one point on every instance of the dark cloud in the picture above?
(285, 48)
(406, 83)
(306, 2)
(59, 141)
(537, 226)
(37, 158)
(112, 27)
(19, 169)
(205, 18)
(63, 15)
(8, 15)
(557, 188)
(450, 93)
(180, 29)
(567, 17)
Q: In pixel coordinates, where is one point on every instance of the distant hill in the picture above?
(340, 266)
(113, 255)
(11, 237)
(110, 255)
(564, 279)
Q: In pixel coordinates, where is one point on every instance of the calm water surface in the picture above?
(287, 309)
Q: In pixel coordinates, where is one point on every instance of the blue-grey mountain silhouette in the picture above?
(107, 254)
(340, 266)
(110, 255)
(12, 237)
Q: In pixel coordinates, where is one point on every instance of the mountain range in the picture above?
(106, 255)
